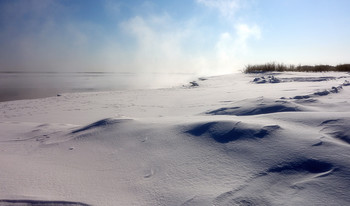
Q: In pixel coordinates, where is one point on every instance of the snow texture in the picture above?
(224, 141)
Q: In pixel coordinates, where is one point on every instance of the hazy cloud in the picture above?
(231, 47)
(45, 36)
(113, 7)
(233, 43)
(227, 8)
(42, 36)
(245, 32)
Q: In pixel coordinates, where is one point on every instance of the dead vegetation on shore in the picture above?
(280, 67)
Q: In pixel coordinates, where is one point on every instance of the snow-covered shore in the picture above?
(240, 139)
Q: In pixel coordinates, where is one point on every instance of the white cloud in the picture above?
(233, 43)
(226, 51)
(149, 42)
(161, 46)
(159, 43)
(231, 48)
(227, 8)
(245, 32)
(113, 7)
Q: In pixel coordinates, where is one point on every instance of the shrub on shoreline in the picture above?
(274, 67)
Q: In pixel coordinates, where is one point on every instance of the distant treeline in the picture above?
(275, 67)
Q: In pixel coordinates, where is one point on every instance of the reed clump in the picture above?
(280, 67)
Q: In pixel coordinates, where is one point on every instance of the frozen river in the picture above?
(22, 85)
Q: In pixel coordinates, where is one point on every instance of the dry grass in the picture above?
(274, 67)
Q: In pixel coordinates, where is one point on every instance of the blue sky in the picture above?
(201, 36)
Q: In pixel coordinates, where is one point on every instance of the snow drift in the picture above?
(226, 141)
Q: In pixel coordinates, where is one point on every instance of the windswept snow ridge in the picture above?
(224, 141)
(338, 128)
(257, 106)
(225, 131)
(101, 124)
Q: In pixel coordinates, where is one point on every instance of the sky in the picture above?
(183, 36)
